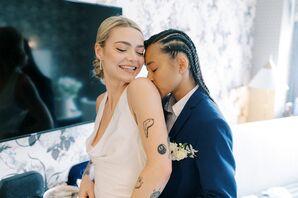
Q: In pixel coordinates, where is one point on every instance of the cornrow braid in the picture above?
(175, 41)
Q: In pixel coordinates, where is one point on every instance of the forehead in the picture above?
(127, 34)
(154, 53)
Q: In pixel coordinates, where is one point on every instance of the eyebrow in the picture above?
(127, 43)
(150, 62)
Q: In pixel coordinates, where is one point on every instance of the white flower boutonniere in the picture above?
(181, 151)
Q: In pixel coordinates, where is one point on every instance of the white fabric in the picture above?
(174, 108)
(119, 155)
(62, 190)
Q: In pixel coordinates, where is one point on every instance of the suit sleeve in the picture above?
(215, 161)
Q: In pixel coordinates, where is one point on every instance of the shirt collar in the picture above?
(176, 107)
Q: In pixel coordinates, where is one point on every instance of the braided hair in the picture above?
(175, 41)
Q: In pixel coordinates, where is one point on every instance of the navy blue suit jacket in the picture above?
(211, 172)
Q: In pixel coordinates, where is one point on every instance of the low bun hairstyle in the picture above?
(103, 34)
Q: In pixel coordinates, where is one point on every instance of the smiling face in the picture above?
(163, 70)
(122, 54)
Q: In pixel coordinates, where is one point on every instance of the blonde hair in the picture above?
(103, 33)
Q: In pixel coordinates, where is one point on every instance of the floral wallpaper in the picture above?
(222, 32)
(51, 154)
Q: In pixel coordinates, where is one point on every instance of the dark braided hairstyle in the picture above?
(175, 41)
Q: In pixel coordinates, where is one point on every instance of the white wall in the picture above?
(267, 27)
(272, 35)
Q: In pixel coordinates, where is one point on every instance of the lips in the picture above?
(127, 67)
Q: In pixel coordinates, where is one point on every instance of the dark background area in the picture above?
(63, 33)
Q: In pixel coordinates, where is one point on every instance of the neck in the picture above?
(183, 88)
(114, 91)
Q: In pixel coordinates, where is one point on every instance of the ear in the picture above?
(98, 51)
(182, 62)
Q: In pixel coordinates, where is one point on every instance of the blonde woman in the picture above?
(128, 149)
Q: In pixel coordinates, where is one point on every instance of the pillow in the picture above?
(28, 184)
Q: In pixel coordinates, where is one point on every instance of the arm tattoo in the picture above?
(155, 194)
(161, 149)
(87, 169)
(147, 124)
(139, 183)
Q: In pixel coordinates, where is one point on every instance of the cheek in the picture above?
(168, 81)
(111, 58)
(141, 61)
(162, 80)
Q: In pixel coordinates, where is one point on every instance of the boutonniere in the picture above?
(181, 151)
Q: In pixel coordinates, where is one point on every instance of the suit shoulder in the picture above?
(208, 110)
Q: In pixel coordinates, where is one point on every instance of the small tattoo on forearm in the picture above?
(155, 194)
(139, 183)
(147, 124)
(161, 149)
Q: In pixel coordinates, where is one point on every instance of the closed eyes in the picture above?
(121, 50)
(124, 50)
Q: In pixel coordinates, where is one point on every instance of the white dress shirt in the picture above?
(174, 108)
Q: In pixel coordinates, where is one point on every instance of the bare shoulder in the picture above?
(140, 86)
(142, 92)
(99, 99)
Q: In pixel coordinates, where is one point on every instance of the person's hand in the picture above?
(86, 187)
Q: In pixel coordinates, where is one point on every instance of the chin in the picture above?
(129, 79)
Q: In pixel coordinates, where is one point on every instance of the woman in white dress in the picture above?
(128, 149)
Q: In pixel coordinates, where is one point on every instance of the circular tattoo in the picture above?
(161, 149)
(155, 194)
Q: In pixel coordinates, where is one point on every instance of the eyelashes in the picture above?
(121, 50)
(124, 50)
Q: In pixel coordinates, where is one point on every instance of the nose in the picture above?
(132, 56)
(150, 76)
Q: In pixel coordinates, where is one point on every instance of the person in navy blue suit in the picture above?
(205, 165)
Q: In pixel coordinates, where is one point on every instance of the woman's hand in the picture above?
(86, 187)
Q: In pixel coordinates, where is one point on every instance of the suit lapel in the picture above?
(182, 118)
(193, 101)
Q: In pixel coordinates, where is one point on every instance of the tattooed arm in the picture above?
(87, 184)
(145, 103)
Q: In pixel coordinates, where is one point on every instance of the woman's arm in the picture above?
(145, 103)
(87, 184)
